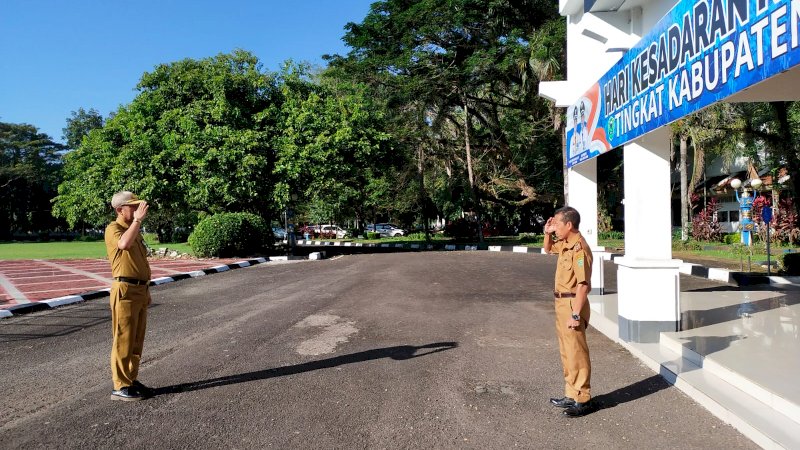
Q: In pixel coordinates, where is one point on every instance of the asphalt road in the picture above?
(407, 350)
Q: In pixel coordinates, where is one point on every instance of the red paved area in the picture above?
(23, 281)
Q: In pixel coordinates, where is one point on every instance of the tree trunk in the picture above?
(684, 189)
(471, 175)
(698, 173)
(422, 197)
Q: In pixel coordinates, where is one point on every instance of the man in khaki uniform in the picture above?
(130, 295)
(572, 286)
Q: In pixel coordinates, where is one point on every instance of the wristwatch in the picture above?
(576, 317)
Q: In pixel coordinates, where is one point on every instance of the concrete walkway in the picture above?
(737, 353)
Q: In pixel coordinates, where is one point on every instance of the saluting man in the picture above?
(572, 286)
(130, 294)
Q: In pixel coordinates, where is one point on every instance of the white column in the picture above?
(647, 277)
(583, 197)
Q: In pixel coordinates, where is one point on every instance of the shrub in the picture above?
(230, 234)
(372, 235)
(461, 229)
(89, 238)
(181, 234)
(705, 226)
(786, 223)
(611, 235)
(791, 263)
(732, 238)
(689, 245)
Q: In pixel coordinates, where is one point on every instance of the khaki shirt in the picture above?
(130, 263)
(574, 263)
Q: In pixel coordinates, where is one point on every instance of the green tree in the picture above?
(79, 124)
(30, 164)
(197, 139)
(773, 127)
(332, 144)
(454, 68)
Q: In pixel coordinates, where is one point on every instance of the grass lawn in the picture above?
(52, 250)
(68, 250)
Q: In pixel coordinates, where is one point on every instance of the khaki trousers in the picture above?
(128, 324)
(574, 351)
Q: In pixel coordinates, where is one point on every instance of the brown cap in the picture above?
(124, 198)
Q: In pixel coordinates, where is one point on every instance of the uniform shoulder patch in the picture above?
(578, 246)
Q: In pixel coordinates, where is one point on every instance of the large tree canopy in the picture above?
(196, 139)
(332, 145)
(465, 72)
(222, 135)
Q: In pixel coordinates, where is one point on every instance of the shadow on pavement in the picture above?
(400, 352)
(630, 393)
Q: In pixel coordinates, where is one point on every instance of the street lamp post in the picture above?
(745, 200)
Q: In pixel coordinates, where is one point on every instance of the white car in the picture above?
(332, 229)
(386, 229)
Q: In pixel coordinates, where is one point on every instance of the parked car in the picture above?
(386, 229)
(330, 231)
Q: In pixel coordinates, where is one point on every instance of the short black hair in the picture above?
(570, 214)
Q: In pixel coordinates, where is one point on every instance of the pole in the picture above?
(769, 265)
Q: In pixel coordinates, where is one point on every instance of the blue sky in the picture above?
(57, 56)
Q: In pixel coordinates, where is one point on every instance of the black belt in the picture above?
(564, 294)
(132, 281)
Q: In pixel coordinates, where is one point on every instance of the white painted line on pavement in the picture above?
(84, 273)
(12, 290)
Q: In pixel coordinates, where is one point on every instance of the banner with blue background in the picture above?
(699, 53)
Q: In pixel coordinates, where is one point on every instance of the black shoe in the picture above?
(126, 394)
(563, 402)
(579, 409)
(145, 391)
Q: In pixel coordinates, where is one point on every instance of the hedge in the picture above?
(230, 234)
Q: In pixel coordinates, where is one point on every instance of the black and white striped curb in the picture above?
(515, 249)
(734, 277)
(697, 270)
(69, 299)
(306, 242)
